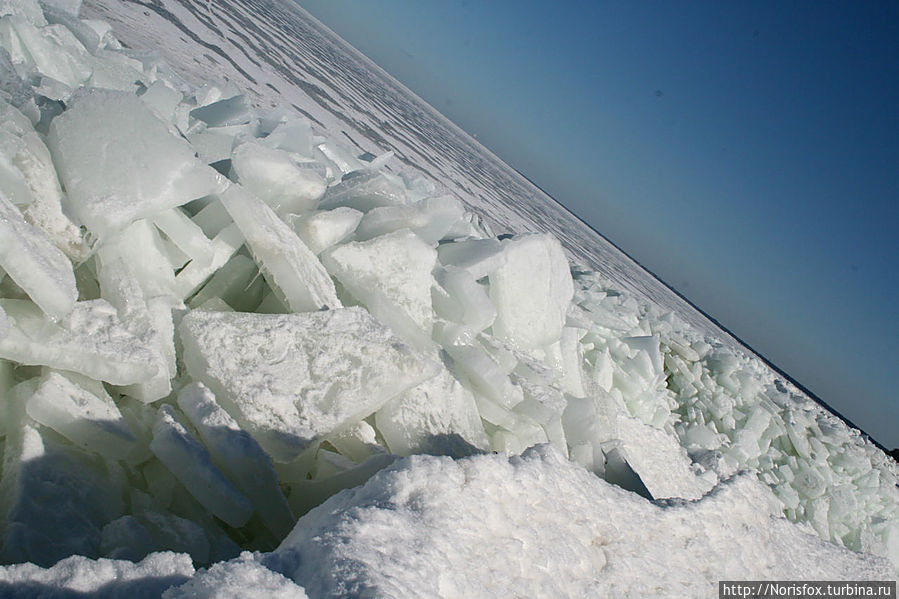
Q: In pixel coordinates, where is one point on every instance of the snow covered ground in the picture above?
(260, 336)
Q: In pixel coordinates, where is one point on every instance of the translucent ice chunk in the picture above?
(25, 161)
(119, 162)
(531, 291)
(91, 340)
(239, 455)
(235, 110)
(162, 99)
(272, 176)
(80, 410)
(288, 264)
(224, 245)
(364, 190)
(430, 414)
(430, 219)
(52, 50)
(54, 499)
(293, 136)
(321, 230)
(290, 379)
(35, 264)
(396, 267)
(466, 301)
(191, 464)
(480, 257)
(212, 147)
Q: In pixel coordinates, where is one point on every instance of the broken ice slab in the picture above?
(224, 245)
(660, 461)
(391, 275)
(289, 379)
(237, 284)
(363, 190)
(284, 259)
(80, 410)
(29, 180)
(480, 257)
(464, 300)
(35, 264)
(323, 229)
(276, 179)
(148, 317)
(239, 455)
(431, 415)
(292, 136)
(430, 219)
(51, 50)
(91, 341)
(119, 162)
(235, 110)
(191, 464)
(531, 291)
(162, 99)
(54, 497)
(212, 147)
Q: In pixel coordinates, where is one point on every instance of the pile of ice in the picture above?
(212, 319)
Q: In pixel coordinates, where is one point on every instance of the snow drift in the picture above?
(217, 324)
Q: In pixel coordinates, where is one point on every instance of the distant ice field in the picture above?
(246, 347)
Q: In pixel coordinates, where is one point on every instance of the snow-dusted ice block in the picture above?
(91, 341)
(119, 162)
(35, 264)
(391, 275)
(531, 291)
(465, 301)
(51, 50)
(29, 179)
(321, 230)
(363, 190)
(272, 176)
(79, 576)
(229, 111)
(480, 257)
(283, 257)
(663, 465)
(491, 526)
(147, 317)
(238, 578)
(431, 416)
(239, 455)
(430, 219)
(289, 379)
(79, 409)
(191, 464)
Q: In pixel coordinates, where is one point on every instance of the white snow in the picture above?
(190, 360)
(539, 526)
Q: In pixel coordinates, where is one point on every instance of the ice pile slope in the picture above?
(536, 525)
(213, 318)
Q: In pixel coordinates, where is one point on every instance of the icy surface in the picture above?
(290, 379)
(216, 313)
(119, 162)
(35, 264)
(479, 527)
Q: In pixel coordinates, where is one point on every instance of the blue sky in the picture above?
(747, 153)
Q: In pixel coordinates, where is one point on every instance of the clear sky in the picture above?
(747, 153)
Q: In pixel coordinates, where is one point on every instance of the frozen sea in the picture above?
(719, 469)
(282, 56)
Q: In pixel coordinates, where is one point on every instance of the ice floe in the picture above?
(221, 332)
